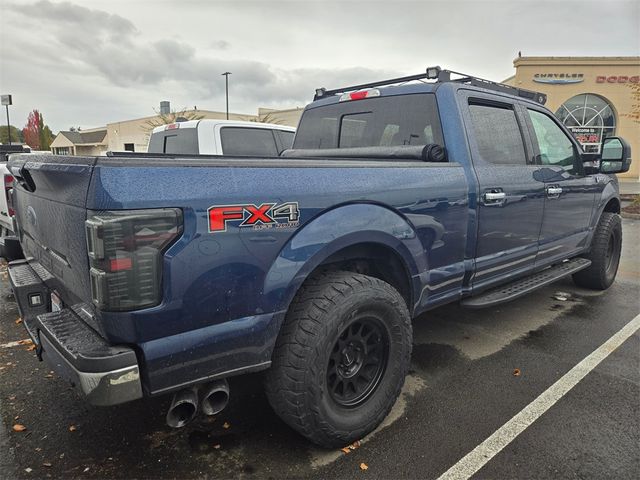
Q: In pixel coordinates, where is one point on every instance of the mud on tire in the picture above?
(341, 358)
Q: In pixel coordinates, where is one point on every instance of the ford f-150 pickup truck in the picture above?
(152, 274)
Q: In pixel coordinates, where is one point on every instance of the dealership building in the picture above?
(592, 96)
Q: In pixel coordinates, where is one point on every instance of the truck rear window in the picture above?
(175, 141)
(383, 121)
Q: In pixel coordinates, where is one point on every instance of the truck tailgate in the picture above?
(50, 198)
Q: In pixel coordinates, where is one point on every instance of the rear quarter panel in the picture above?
(212, 278)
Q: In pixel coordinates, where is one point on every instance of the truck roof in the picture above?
(229, 123)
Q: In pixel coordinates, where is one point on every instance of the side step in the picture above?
(522, 286)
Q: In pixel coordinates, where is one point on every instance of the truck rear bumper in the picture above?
(105, 374)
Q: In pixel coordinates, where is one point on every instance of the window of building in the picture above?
(248, 141)
(554, 145)
(497, 135)
(129, 147)
(590, 118)
(62, 151)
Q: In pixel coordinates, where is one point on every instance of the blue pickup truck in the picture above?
(152, 274)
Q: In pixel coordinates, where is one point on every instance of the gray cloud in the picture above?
(90, 62)
(109, 44)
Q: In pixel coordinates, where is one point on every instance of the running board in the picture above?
(518, 288)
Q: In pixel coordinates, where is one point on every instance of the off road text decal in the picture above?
(267, 215)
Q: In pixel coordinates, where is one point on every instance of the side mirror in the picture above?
(615, 155)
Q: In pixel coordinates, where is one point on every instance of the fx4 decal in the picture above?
(267, 215)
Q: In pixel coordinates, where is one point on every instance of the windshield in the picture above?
(382, 121)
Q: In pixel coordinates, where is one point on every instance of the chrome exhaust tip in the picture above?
(184, 408)
(215, 397)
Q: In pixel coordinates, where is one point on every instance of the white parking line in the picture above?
(479, 456)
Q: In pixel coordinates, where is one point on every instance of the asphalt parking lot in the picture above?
(472, 372)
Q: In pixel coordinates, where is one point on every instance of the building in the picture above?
(85, 142)
(133, 135)
(592, 96)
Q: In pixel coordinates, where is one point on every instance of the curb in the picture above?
(634, 216)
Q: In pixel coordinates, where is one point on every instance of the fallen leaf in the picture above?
(46, 464)
(86, 470)
(217, 446)
(48, 375)
(226, 425)
(354, 445)
(72, 428)
(364, 466)
(31, 348)
(19, 428)
(26, 341)
(561, 296)
(18, 321)
(38, 449)
(346, 450)
(28, 470)
(516, 372)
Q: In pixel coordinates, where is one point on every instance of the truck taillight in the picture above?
(125, 250)
(8, 186)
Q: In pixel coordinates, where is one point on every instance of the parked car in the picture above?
(168, 275)
(221, 137)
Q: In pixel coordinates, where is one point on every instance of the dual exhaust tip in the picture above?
(211, 398)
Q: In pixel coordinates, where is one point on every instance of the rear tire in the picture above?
(341, 358)
(604, 254)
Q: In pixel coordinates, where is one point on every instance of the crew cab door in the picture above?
(569, 193)
(511, 189)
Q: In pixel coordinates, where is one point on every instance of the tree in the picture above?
(171, 117)
(31, 131)
(36, 133)
(16, 134)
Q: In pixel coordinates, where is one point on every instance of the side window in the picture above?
(248, 141)
(555, 147)
(497, 134)
(286, 138)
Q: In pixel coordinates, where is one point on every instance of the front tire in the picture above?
(341, 358)
(606, 248)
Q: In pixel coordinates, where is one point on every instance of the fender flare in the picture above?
(332, 231)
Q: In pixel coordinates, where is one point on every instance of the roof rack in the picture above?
(441, 76)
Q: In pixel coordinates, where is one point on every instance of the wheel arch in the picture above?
(363, 238)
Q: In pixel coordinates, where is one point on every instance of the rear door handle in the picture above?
(554, 191)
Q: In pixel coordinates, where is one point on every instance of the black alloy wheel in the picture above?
(357, 362)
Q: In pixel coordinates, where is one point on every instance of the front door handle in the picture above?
(554, 191)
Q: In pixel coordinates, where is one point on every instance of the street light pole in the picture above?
(6, 101)
(8, 125)
(226, 82)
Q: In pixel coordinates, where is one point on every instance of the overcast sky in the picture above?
(86, 63)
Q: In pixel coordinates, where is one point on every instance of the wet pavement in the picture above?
(461, 389)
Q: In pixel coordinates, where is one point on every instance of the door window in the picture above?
(554, 145)
(248, 141)
(497, 135)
